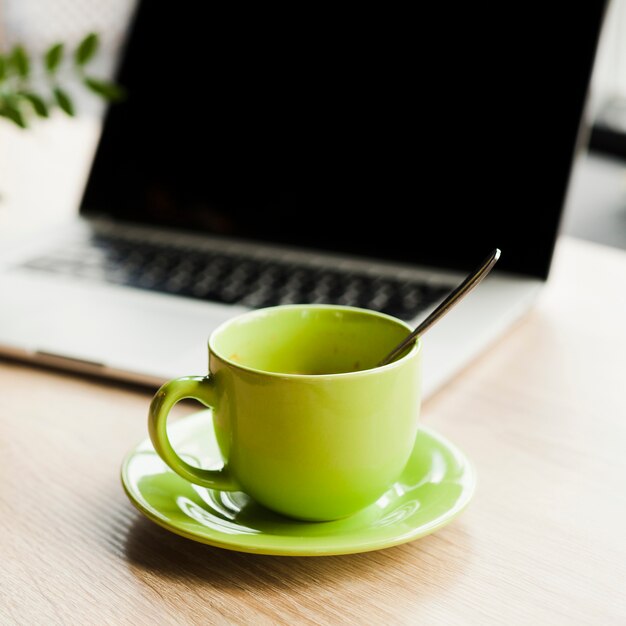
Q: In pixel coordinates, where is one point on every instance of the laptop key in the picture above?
(234, 278)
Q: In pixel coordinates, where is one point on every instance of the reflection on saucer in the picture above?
(434, 488)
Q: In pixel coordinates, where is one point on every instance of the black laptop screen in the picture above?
(427, 136)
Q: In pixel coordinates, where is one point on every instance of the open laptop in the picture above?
(365, 157)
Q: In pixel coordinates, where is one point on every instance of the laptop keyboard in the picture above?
(234, 278)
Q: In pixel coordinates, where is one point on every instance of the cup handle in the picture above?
(202, 389)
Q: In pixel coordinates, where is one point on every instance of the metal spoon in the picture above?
(456, 296)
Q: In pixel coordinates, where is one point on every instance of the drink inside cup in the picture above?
(315, 342)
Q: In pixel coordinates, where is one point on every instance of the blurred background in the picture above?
(48, 162)
(42, 169)
(597, 200)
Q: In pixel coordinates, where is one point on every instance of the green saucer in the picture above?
(434, 488)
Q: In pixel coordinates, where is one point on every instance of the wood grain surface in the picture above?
(542, 414)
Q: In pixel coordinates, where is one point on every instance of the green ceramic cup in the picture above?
(306, 423)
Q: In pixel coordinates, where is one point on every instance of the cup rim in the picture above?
(412, 353)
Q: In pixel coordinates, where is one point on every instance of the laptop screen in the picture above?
(428, 136)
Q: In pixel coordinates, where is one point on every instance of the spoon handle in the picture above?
(453, 298)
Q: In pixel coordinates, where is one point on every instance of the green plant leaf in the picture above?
(86, 49)
(12, 112)
(41, 108)
(53, 57)
(106, 89)
(64, 101)
(19, 61)
(3, 68)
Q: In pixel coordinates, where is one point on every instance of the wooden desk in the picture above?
(542, 415)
